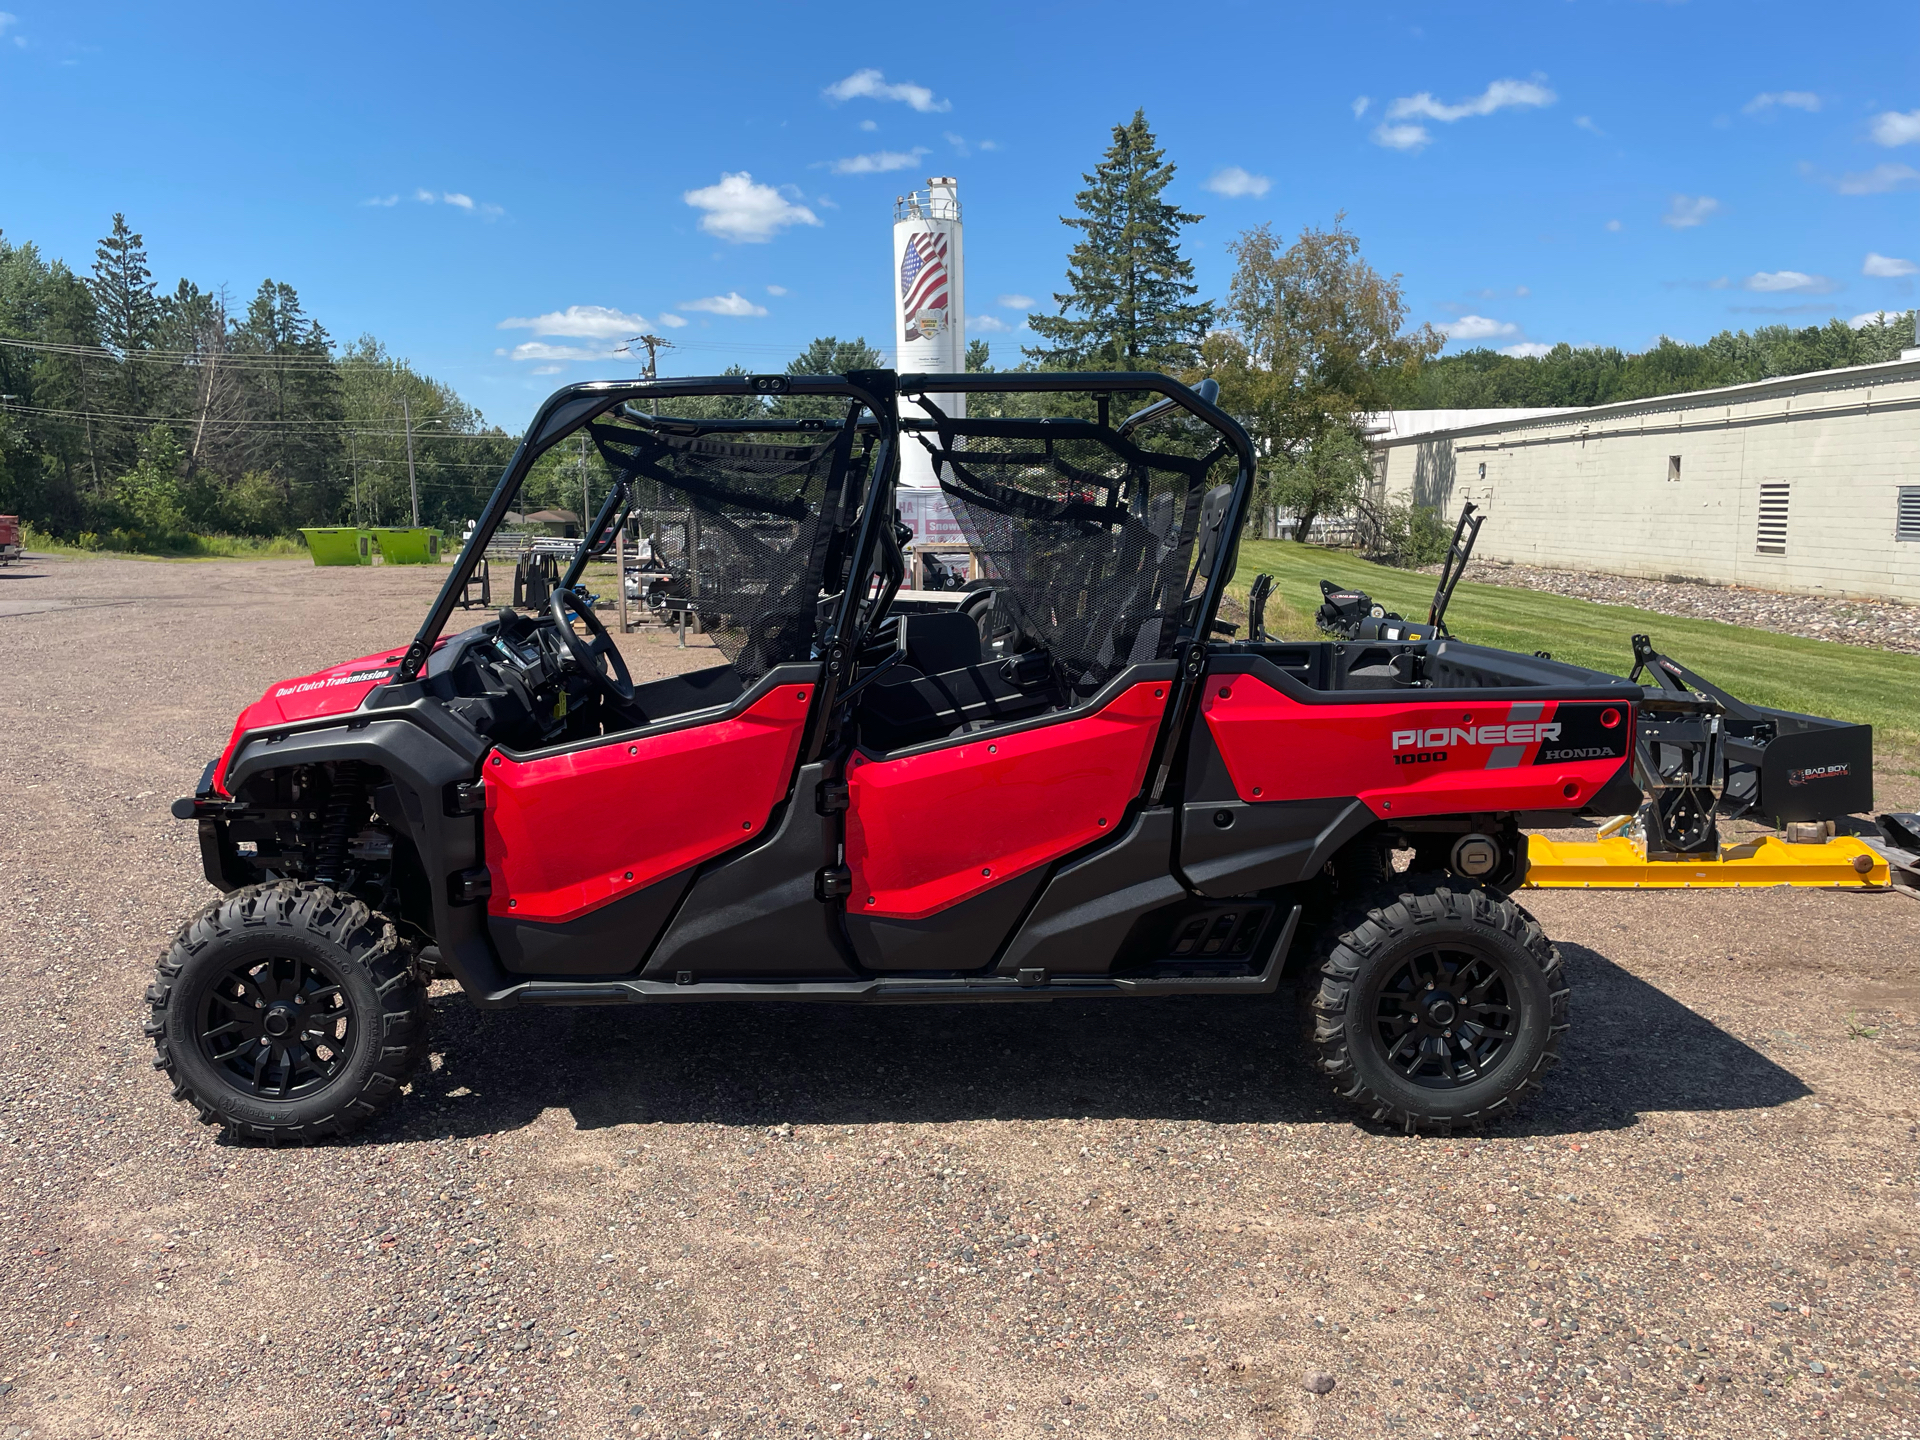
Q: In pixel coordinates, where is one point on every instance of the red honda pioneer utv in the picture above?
(1080, 784)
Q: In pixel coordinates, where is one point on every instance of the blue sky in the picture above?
(467, 181)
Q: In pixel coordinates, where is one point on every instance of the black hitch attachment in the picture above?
(1700, 752)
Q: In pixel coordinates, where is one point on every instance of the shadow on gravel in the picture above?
(1632, 1049)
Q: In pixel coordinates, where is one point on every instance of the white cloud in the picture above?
(1500, 95)
(1895, 127)
(776, 289)
(988, 324)
(1526, 350)
(7, 22)
(1888, 267)
(1875, 317)
(746, 213)
(1360, 104)
(869, 124)
(1402, 137)
(1788, 282)
(879, 162)
(1687, 211)
(1478, 327)
(958, 142)
(382, 201)
(539, 350)
(1614, 225)
(1880, 180)
(872, 85)
(1585, 122)
(453, 198)
(989, 144)
(670, 320)
(732, 303)
(586, 322)
(1791, 99)
(1237, 182)
(546, 369)
(1014, 302)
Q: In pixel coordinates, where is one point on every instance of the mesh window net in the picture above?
(1087, 537)
(742, 520)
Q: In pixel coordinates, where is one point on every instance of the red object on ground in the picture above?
(625, 813)
(927, 831)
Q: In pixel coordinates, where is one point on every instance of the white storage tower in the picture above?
(929, 301)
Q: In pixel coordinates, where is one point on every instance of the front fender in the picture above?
(422, 766)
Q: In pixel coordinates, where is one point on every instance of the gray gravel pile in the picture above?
(1142, 1219)
(1882, 624)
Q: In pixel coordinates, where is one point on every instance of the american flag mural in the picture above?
(923, 284)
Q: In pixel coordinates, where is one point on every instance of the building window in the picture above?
(1906, 515)
(1673, 467)
(1772, 536)
(1483, 469)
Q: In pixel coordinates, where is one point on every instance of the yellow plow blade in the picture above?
(1616, 863)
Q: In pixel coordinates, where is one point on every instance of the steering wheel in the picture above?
(588, 655)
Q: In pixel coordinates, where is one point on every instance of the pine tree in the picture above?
(122, 289)
(295, 385)
(1131, 291)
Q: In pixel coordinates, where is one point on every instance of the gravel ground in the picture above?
(1882, 624)
(1131, 1220)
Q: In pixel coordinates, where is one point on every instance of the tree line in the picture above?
(134, 417)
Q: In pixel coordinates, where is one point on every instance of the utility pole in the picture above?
(412, 484)
(653, 343)
(353, 446)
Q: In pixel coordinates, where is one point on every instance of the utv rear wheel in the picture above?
(1439, 1004)
(288, 1012)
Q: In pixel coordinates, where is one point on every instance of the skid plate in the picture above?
(1616, 863)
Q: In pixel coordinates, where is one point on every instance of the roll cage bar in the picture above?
(874, 399)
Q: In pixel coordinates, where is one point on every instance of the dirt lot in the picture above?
(1107, 1220)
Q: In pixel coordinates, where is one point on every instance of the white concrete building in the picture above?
(1809, 483)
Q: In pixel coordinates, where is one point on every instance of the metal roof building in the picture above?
(1806, 483)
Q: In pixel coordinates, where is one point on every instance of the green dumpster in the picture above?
(408, 545)
(339, 545)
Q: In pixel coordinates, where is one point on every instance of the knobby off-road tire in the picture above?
(1439, 1003)
(288, 1012)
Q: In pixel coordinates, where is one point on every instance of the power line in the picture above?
(341, 427)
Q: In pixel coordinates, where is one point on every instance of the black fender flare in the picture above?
(423, 768)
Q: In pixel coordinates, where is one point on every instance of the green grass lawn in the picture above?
(1816, 677)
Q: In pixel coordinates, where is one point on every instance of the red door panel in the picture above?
(1416, 757)
(927, 831)
(568, 833)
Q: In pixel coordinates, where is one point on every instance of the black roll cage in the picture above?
(874, 407)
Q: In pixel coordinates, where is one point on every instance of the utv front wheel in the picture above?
(1438, 1004)
(288, 1012)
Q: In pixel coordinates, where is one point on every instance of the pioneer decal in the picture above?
(1527, 734)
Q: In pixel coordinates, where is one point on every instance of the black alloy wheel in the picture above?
(288, 1012)
(1437, 1003)
(277, 1027)
(1444, 1018)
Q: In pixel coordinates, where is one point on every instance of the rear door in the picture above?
(1086, 533)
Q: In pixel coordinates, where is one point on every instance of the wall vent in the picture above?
(1772, 536)
(1906, 514)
